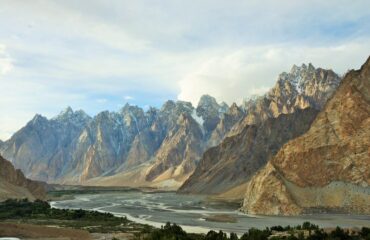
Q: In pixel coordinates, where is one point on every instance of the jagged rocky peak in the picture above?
(168, 107)
(227, 121)
(67, 115)
(171, 107)
(183, 106)
(134, 115)
(101, 116)
(132, 109)
(316, 84)
(207, 104)
(234, 110)
(38, 119)
(151, 114)
(223, 107)
(209, 111)
(303, 87)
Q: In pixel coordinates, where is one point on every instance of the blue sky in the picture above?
(98, 55)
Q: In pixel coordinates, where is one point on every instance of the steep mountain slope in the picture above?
(74, 148)
(237, 158)
(104, 144)
(225, 124)
(304, 86)
(179, 150)
(181, 143)
(43, 147)
(260, 132)
(13, 184)
(327, 167)
(209, 110)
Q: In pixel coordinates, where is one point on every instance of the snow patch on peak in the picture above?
(197, 118)
(68, 111)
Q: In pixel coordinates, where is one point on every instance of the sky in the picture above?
(97, 55)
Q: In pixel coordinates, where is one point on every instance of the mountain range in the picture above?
(284, 113)
(302, 147)
(177, 143)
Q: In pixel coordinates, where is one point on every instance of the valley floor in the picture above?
(38, 220)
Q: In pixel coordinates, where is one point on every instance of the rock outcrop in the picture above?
(13, 184)
(327, 168)
(43, 148)
(233, 115)
(238, 157)
(74, 148)
(256, 133)
(303, 87)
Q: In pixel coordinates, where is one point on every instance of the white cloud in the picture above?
(6, 64)
(61, 53)
(128, 97)
(233, 75)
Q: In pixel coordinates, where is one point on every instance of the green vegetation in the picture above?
(55, 194)
(40, 212)
(305, 231)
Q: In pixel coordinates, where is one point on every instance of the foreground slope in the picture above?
(13, 184)
(328, 167)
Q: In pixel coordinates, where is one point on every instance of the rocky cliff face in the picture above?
(43, 147)
(233, 115)
(303, 87)
(209, 111)
(327, 168)
(256, 133)
(74, 148)
(238, 157)
(180, 149)
(13, 184)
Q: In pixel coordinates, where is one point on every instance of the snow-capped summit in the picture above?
(304, 86)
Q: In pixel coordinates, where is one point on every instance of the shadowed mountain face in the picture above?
(13, 184)
(269, 122)
(238, 157)
(327, 167)
(158, 146)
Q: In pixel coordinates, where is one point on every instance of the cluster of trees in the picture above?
(305, 226)
(175, 232)
(24, 209)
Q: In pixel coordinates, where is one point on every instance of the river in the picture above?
(193, 213)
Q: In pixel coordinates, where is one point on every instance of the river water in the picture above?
(193, 212)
